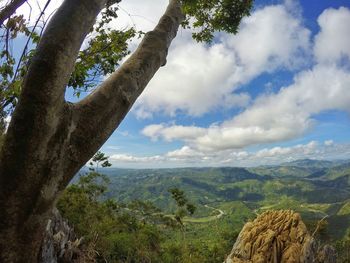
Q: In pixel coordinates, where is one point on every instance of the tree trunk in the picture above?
(48, 139)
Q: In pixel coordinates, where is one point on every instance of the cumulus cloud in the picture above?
(269, 39)
(131, 159)
(174, 132)
(271, 118)
(290, 112)
(184, 153)
(301, 150)
(200, 78)
(329, 142)
(332, 44)
(186, 156)
(195, 80)
(143, 16)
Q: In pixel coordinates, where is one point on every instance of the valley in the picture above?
(227, 197)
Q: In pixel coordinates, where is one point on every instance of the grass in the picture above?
(345, 209)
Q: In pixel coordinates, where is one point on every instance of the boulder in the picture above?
(278, 237)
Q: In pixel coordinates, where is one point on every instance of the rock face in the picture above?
(278, 237)
(60, 243)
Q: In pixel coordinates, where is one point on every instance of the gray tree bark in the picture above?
(49, 139)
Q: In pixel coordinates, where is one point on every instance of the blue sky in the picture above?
(277, 91)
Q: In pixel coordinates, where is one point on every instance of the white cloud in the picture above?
(113, 147)
(142, 15)
(301, 150)
(269, 39)
(135, 159)
(187, 156)
(124, 133)
(290, 112)
(184, 153)
(328, 142)
(195, 80)
(200, 78)
(333, 42)
(271, 118)
(170, 133)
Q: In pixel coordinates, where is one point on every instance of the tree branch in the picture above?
(57, 51)
(101, 112)
(10, 9)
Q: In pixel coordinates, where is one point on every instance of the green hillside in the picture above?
(227, 197)
(253, 190)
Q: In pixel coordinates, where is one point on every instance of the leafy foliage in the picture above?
(183, 206)
(121, 233)
(116, 231)
(105, 48)
(133, 232)
(102, 56)
(209, 16)
(12, 72)
(343, 249)
(99, 159)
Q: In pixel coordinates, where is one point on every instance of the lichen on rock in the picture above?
(60, 244)
(278, 237)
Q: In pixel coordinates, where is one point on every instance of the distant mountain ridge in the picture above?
(307, 163)
(315, 163)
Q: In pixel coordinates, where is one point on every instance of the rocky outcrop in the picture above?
(278, 237)
(60, 244)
